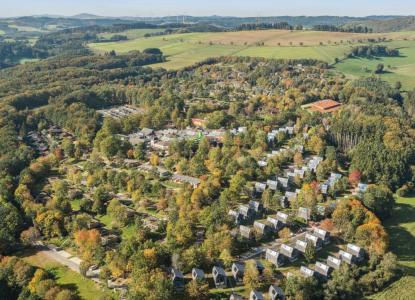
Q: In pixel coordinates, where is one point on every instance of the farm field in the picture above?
(397, 68)
(85, 288)
(186, 49)
(401, 228)
(26, 28)
(131, 34)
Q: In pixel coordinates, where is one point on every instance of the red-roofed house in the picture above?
(323, 106)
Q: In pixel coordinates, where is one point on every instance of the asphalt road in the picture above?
(59, 256)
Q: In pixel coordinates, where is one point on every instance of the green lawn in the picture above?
(401, 229)
(26, 28)
(397, 68)
(186, 49)
(85, 288)
(183, 50)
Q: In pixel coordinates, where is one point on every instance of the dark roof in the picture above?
(198, 273)
(238, 267)
(176, 273)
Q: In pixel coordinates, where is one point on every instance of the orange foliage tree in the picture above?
(89, 243)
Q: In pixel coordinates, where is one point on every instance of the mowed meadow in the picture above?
(183, 50)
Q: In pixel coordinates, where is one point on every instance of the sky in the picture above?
(152, 8)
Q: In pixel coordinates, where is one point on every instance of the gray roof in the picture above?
(300, 245)
(306, 271)
(237, 268)
(322, 269)
(333, 262)
(255, 295)
(275, 291)
(176, 273)
(198, 274)
(355, 250)
(287, 250)
(218, 271)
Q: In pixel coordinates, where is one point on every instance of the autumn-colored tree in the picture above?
(58, 152)
(373, 237)
(30, 235)
(327, 224)
(298, 159)
(226, 257)
(251, 275)
(354, 177)
(50, 223)
(152, 285)
(197, 290)
(284, 234)
(310, 252)
(154, 159)
(89, 244)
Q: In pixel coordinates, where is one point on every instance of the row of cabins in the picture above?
(160, 140)
(264, 227)
(120, 111)
(271, 225)
(165, 174)
(219, 276)
(352, 255)
(288, 130)
(247, 213)
(289, 253)
(274, 293)
(221, 281)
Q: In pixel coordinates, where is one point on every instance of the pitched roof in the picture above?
(325, 106)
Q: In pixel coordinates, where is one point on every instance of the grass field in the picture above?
(186, 49)
(397, 68)
(401, 229)
(86, 289)
(26, 28)
(131, 34)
